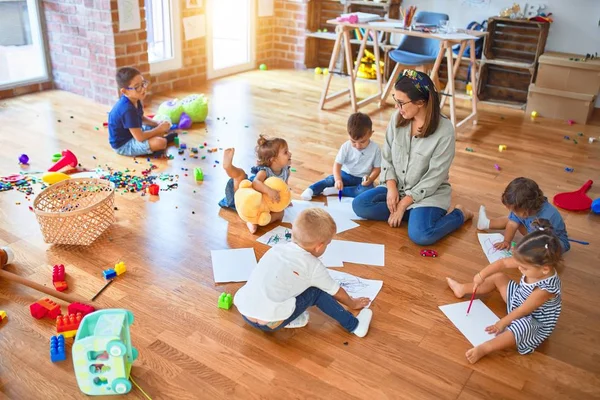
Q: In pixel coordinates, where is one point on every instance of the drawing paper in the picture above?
(472, 326)
(233, 265)
(487, 241)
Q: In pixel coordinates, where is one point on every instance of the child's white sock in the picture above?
(330, 191)
(364, 320)
(300, 321)
(483, 222)
(9, 254)
(307, 194)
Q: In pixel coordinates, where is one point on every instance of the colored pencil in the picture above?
(340, 195)
(471, 302)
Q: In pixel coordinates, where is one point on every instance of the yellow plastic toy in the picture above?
(255, 207)
(54, 177)
(367, 68)
(318, 71)
(120, 268)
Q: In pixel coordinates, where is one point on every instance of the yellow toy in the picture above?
(120, 268)
(367, 69)
(255, 207)
(54, 177)
(318, 71)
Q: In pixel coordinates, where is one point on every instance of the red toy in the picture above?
(83, 309)
(58, 273)
(429, 253)
(61, 286)
(68, 324)
(68, 159)
(153, 189)
(44, 308)
(575, 201)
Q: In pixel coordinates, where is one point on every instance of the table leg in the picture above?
(377, 61)
(361, 52)
(436, 67)
(473, 80)
(349, 67)
(450, 86)
(334, 56)
(456, 65)
(390, 84)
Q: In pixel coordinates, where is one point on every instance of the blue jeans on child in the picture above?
(324, 301)
(426, 225)
(352, 185)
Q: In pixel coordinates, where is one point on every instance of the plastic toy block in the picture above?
(120, 268)
(2, 315)
(44, 308)
(61, 286)
(182, 146)
(69, 322)
(37, 311)
(109, 274)
(57, 348)
(225, 301)
(84, 309)
(501, 148)
(198, 174)
(58, 273)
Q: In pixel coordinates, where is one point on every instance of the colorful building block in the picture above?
(198, 174)
(225, 301)
(109, 274)
(61, 286)
(57, 348)
(68, 324)
(84, 309)
(58, 273)
(44, 308)
(120, 268)
(2, 315)
(37, 311)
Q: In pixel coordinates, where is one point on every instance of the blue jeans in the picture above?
(426, 225)
(324, 301)
(352, 185)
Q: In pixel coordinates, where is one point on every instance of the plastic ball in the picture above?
(318, 71)
(534, 114)
(263, 67)
(24, 159)
(325, 71)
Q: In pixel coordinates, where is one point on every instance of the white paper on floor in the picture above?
(331, 259)
(343, 207)
(487, 241)
(472, 326)
(356, 252)
(291, 213)
(233, 265)
(355, 286)
(279, 235)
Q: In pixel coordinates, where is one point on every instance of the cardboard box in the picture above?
(550, 103)
(556, 71)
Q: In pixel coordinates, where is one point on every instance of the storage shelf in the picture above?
(508, 63)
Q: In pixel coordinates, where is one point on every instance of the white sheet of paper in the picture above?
(472, 326)
(453, 36)
(298, 205)
(265, 8)
(388, 23)
(129, 15)
(487, 241)
(356, 252)
(343, 207)
(194, 27)
(355, 286)
(279, 235)
(342, 223)
(363, 17)
(232, 265)
(332, 259)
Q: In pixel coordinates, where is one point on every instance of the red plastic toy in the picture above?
(84, 309)
(67, 159)
(68, 323)
(44, 308)
(154, 189)
(575, 201)
(58, 273)
(429, 253)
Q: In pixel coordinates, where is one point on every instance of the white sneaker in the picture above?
(307, 194)
(330, 191)
(300, 321)
(9, 254)
(364, 320)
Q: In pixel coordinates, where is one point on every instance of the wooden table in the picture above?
(343, 30)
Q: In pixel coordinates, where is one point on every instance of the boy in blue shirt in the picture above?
(125, 120)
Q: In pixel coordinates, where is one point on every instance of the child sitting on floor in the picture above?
(356, 166)
(125, 120)
(526, 203)
(273, 159)
(533, 305)
(290, 278)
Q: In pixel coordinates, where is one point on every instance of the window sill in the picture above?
(159, 67)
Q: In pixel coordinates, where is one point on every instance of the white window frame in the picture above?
(176, 62)
(35, 23)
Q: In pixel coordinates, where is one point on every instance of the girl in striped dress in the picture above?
(533, 304)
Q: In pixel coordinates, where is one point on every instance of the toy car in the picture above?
(429, 253)
(102, 352)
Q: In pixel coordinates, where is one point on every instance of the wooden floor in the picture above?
(190, 349)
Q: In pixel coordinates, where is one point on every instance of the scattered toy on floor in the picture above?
(225, 301)
(501, 148)
(429, 253)
(24, 159)
(57, 348)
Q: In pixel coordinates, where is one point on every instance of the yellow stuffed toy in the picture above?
(255, 207)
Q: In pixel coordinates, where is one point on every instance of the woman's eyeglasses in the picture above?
(400, 104)
(143, 85)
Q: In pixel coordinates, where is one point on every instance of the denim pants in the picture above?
(324, 301)
(352, 185)
(426, 225)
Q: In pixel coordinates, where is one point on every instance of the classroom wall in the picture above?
(576, 26)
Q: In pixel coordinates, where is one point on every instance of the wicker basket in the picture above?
(75, 211)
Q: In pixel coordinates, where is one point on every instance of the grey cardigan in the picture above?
(419, 166)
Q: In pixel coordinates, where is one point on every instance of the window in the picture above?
(164, 34)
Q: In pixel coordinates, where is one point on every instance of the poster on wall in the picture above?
(129, 15)
(265, 8)
(194, 27)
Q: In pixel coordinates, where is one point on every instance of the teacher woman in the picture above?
(416, 159)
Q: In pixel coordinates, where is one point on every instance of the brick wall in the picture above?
(289, 34)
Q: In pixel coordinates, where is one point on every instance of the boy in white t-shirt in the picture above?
(290, 278)
(357, 164)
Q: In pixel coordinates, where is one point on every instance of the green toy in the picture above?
(196, 106)
(172, 109)
(225, 301)
(263, 67)
(198, 174)
(176, 141)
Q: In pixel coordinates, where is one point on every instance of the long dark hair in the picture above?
(418, 86)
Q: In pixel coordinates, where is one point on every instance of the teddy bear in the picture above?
(255, 207)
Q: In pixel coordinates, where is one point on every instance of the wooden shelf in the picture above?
(507, 63)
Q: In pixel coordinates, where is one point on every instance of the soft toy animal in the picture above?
(255, 207)
(195, 106)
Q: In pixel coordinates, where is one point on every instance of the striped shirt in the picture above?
(283, 175)
(530, 331)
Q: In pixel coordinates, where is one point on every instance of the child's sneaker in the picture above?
(364, 320)
(307, 194)
(300, 321)
(330, 191)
